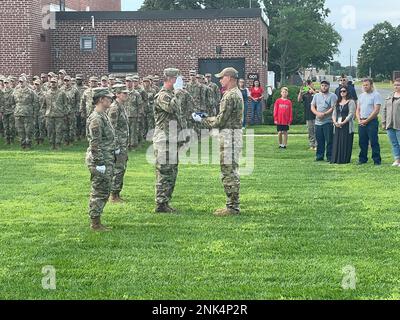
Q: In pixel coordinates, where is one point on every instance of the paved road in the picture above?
(384, 92)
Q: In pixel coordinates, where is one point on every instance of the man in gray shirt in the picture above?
(368, 108)
(322, 106)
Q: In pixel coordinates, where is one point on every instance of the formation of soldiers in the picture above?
(57, 106)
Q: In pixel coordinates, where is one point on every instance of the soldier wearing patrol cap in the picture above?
(2, 130)
(229, 122)
(132, 108)
(61, 75)
(119, 121)
(100, 156)
(167, 115)
(55, 103)
(111, 81)
(7, 112)
(87, 106)
(73, 102)
(142, 107)
(25, 102)
(39, 114)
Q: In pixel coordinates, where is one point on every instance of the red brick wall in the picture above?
(95, 5)
(162, 44)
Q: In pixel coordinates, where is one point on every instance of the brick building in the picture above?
(96, 43)
(25, 37)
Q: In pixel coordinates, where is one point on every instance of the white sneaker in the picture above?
(396, 164)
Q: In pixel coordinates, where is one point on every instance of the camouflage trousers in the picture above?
(2, 131)
(101, 189)
(166, 174)
(39, 127)
(70, 128)
(230, 148)
(119, 172)
(9, 126)
(55, 128)
(24, 127)
(150, 123)
(80, 126)
(141, 127)
(133, 132)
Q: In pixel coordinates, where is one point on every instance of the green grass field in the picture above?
(302, 222)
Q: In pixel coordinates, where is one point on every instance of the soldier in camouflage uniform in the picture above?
(229, 122)
(25, 101)
(149, 112)
(166, 113)
(7, 111)
(206, 96)
(3, 133)
(73, 102)
(55, 103)
(132, 108)
(120, 123)
(80, 122)
(87, 106)
(215, 90)
(39, 119)
(100, 156)
(153, 85)
(142, 108)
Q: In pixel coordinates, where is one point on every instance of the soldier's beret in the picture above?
(119, 88)
(228, 72)
(171, 72)
(102, 92)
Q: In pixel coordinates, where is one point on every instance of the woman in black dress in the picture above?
(343, 121)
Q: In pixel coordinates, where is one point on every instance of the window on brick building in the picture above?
(122, 54)
(88, 43)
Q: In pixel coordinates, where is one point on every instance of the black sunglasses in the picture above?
(343, 91)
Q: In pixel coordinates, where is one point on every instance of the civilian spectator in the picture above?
(343, 121)
(306, 96)
(322, 106)
(368, 108)
(283, 117)
(391, 121)
(344, 83)
(246, 95)
(256, 96)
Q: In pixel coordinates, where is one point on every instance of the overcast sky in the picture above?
(351, 18)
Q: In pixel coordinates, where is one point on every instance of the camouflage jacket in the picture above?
(120, 122)
(7, 106)
(186, 105)
(231, 111)
(197, 91)
(145, 100)
(166, 109)
(73, 99)
(55, 103)
(101, 137)
(86, 106)
(133, 104)
(25, 101)
(39, 108)
(217, 93)
(151, 93)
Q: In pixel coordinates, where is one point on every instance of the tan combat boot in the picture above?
(97, 226)
(115, 198)
(226, 212)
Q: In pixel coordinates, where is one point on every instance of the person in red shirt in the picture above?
(256, 97)
(283, 117)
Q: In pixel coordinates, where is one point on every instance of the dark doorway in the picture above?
(214, 66)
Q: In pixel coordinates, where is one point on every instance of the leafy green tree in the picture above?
(201, 4)
(299, 36)
(380, 51)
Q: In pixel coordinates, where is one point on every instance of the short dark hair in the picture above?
(309, 82)
(371, 82)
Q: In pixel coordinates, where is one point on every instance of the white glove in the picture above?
(101, 169)
(118, 152)
(196, 117)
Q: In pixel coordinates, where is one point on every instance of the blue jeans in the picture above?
(256, 109)
(394, 137)
(369, 134)
(324, 135)
(246, 108)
